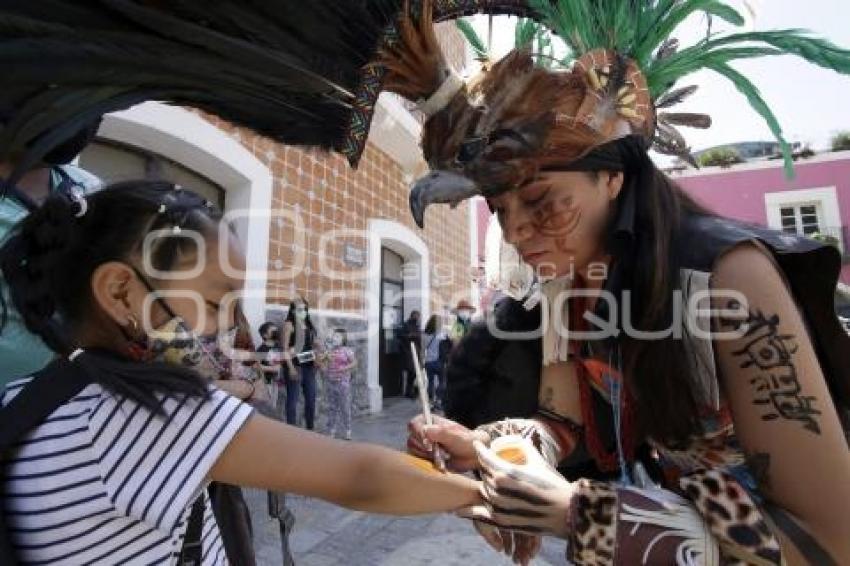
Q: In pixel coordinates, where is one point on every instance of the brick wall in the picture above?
(315, 193)
(326, 194)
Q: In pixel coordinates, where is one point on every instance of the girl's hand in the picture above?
(531, 498)
(455, 441)
(260, 391)
(520, 547)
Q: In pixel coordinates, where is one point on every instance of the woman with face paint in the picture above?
(299, 336)
(118, 471)
(686, 372)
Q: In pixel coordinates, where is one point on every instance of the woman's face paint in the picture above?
(556, 222)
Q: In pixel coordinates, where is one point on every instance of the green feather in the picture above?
(661, 75)
(798, 42)
(525, 31)
(726, 13)
(671, 15)
(481, 52)
(570, 19)
(664, 74)
(758, 103)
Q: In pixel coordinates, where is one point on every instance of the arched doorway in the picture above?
(211, 154)
(398, 283)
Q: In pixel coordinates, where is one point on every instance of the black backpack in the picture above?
(60, 381)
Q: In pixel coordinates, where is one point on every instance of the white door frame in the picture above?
(406, 243)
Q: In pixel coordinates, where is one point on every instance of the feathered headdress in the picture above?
(309, 73)
(522, 115)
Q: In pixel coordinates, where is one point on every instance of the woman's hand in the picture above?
(260, 391)
(531, 498)
(455, 441)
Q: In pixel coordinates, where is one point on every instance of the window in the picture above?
(806, 212)
(802, 219)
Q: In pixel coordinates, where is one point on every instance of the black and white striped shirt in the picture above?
(103, 480)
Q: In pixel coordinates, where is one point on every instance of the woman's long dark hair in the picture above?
(657, 370)
(48, 259)
(431, 325)
(292, 319)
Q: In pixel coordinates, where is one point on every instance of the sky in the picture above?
(811, 103)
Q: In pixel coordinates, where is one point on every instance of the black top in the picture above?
(305, 336)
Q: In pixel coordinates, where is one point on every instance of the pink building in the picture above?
(816, 201)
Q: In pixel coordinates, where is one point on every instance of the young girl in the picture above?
(112, 473)
(339, 363)
(271, 356)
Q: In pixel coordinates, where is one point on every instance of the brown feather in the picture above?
(675, 96)
(415, 63)
(688, 119)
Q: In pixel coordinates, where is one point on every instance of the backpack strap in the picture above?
(191, 554)
(51, 387)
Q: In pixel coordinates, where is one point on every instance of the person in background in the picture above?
(21, 352)
(463, 313)
(411, 333)
(431, 339)
(338, 364)
(271, 362)
(299, 335)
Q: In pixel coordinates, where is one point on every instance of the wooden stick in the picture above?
(425, 401)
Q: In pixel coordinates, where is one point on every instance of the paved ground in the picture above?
(326, 535)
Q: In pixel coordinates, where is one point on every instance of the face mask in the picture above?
(336, 341)
(171, 342)
(174, 343)
(217, 354)
(463, 315)
(301, 314)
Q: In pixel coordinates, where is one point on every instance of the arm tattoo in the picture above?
(777, 387)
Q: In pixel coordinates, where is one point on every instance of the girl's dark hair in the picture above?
(290, 314)
(344, 335)
(48, 259)
(657, 370)
(264, 327)
(431, 325)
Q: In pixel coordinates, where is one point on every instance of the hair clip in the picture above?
(80, 199)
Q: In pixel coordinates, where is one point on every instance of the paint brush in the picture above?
(422, 383)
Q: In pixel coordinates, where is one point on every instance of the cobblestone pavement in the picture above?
(326, 535)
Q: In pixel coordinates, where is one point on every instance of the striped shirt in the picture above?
(103, 480)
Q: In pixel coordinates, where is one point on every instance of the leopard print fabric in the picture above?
(593, 541)
(732, 515)
(533, 430)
